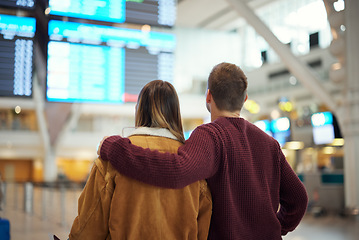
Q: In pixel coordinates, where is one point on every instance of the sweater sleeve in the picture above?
(293, 198)
(197, 159)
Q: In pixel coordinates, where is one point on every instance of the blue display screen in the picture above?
(323, 128)
(78, 72)
(101, 10)
(265, 126)
(16, 55)
(26, 4)
(321, 119)
(152, 12)
(92, 63)
(280, 125)
(12, 26)
(281, 130)
(96, 34)
(282, 137)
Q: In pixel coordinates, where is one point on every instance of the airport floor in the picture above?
(53, 212)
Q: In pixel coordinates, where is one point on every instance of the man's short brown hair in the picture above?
(228, 86)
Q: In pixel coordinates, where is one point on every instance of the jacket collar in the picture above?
(160, 132)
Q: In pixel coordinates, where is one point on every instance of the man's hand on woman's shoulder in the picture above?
(100, 145)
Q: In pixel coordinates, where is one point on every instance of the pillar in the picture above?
(350, 110)
(50, 167)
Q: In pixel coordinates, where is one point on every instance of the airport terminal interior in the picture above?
(71, 72)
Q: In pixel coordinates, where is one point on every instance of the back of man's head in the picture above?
(228, 86)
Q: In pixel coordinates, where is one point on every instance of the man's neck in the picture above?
(218, 114)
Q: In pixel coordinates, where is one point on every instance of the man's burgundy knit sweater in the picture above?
(247, 173)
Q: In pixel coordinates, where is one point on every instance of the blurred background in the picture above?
(71, 71)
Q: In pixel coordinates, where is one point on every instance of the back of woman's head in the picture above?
(158, 106)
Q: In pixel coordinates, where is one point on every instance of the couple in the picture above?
(254, 192)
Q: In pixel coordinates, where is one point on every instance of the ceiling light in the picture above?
(337, 142)
(294, 145)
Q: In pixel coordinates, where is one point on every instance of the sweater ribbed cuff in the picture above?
(106, 145)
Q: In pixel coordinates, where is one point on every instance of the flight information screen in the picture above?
(101, 10)
(26, 4)
(152, 12)
(323, 128)
(93, 63)
(16, 54)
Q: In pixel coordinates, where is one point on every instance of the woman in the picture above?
(113, 206)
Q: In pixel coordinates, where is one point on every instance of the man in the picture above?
(256, 194)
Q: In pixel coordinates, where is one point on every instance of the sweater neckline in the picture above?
(231, 118)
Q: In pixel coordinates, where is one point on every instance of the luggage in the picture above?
(4, 229)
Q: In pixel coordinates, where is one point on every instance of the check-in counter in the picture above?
(325, 189)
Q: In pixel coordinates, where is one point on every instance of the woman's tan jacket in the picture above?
(113, 206)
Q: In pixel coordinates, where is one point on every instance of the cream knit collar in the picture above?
(160, 132)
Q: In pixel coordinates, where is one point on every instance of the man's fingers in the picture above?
(99, 146)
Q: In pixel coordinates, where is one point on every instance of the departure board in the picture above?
(101, 10)
(16, 54)
(152, 12)
(26, 4)
(93, 63)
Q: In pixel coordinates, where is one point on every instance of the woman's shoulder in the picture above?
(102, 166)
(160, 143)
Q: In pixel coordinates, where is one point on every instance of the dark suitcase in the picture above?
(4, 229)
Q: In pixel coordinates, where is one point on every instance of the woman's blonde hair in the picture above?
(158, 106)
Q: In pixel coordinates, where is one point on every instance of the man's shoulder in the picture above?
(206, 128)
(243, 127)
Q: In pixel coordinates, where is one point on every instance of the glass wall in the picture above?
(301, 24)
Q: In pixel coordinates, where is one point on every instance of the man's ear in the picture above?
(246, 97)
(208, 96)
